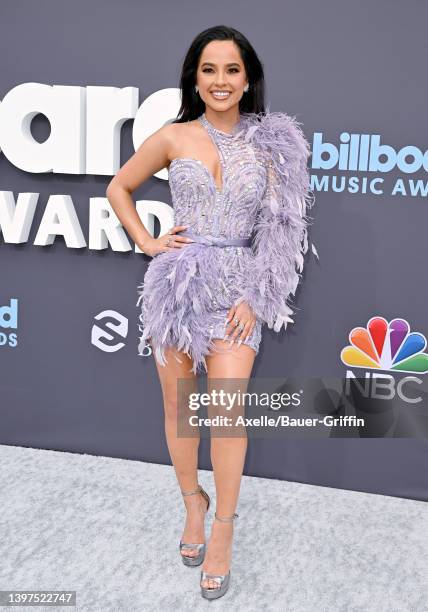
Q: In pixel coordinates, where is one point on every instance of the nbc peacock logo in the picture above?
(384, 345)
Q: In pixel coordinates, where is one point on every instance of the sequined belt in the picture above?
(213, 241)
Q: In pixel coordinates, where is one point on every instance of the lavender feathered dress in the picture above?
(250, 238)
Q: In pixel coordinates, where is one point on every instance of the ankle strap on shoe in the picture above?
(198, 490)
(227, 519)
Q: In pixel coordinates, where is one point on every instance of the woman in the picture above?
(234, 170)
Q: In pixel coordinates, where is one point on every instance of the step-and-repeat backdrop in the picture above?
(81, 86)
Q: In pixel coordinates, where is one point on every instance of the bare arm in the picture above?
(150, 157)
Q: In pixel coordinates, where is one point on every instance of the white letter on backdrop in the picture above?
(156, 110)
(107, 110)
(147, 211)
(64, 107)
(16, 220)
(60, 219)
(105, 227)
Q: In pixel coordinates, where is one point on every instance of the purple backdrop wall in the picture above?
(357, 70)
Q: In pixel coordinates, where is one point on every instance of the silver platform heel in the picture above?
(222, 580)
(199, 558)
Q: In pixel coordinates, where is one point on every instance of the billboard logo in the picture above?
(364, 153)
(8, 321)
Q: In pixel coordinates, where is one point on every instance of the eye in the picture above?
(210, 69)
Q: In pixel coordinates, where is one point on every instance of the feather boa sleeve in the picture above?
(280, 230)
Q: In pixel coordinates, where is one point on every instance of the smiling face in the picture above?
(221, 76)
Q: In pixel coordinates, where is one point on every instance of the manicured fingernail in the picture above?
(239, 342)
(231, 342)
(226, 337)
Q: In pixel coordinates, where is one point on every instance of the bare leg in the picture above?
(183, 451)
(227, 458)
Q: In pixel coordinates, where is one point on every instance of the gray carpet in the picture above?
(109, 529)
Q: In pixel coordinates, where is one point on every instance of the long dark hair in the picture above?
(253, 101)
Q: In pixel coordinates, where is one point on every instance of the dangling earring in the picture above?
(246, 88)
(196, 88)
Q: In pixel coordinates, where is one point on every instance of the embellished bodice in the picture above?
(229, 212)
